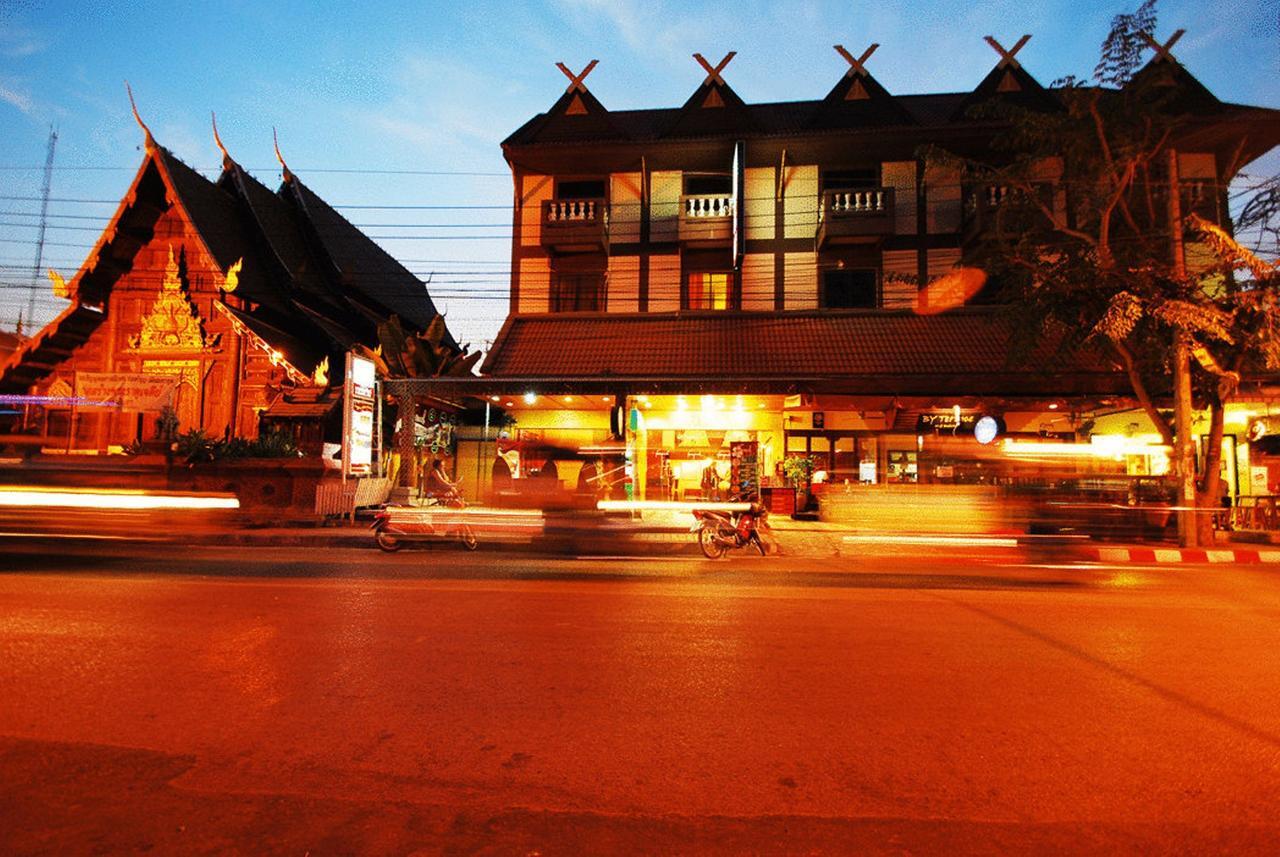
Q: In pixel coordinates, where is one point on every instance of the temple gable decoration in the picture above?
(173, 323)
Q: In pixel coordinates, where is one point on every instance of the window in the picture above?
(849, 289)
(707, 184)
(850, 179)
(580, 189)
(709, 290)
(577, 292)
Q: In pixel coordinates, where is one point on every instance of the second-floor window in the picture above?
(580, 189)
(849, 289)
(577, 291)
(709, 290)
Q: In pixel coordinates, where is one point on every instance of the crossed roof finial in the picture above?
(150, 141)
(857, 66)
(575, 80)
(1007, 58)
(1162, 51)
(713, 74)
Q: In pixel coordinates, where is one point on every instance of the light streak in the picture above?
(668, 506)
(94, 499)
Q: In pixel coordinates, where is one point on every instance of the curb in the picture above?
(1233, 556)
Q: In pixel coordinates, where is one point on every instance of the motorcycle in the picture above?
(395, 525)
(717, 532)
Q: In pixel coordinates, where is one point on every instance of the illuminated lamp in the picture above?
(568, 398)
(509, 404)
(530, 397)
(1053, 406)
(605, 399)
(495, 398)
(985, 430)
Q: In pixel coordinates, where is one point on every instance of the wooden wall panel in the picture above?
(757, 281)
(623, 293)
(901, 176)
(533, 190)
(664, 283)
(900, 283)
(942, 199)
(665, 188)
(758, 201)
(800, 202)
(624, 207)
(535, 285)
(800, 283)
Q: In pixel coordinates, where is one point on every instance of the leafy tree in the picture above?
(1090, 234)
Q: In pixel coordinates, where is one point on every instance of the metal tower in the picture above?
(44, 217)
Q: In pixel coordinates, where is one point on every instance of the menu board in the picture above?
(744, 469)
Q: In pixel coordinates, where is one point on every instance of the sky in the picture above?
(386, 104)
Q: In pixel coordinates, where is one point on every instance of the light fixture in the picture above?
(604, 398)
(568, 398)
(495, 398)
(1053, 406)
(530, 397)
(509, 404)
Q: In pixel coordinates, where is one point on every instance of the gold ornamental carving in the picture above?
(173, 323)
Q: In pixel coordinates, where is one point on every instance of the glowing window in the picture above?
(709, 290)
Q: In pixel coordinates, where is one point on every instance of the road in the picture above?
(264, 700)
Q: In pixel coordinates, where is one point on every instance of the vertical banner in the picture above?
(358, 405)
(739, 208)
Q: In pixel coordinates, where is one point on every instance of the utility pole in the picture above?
(44, 217)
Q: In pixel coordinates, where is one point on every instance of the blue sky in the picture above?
(435, 87)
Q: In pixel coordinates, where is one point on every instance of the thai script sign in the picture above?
(131, 392)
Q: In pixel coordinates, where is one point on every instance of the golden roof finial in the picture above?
(60, 287)
(227, 161)
(232, 278)
(150, 141)
(288, 176)
(320, 377)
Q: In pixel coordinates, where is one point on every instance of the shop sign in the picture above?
(358, 406)
(946, 421)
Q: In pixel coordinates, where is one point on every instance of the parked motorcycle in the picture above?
(395, 525)
(718, 532)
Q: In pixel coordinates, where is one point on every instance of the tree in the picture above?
(1093, 234)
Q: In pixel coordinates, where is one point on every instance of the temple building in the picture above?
(222, 304)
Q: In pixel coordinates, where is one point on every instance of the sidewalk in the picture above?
(668, 535)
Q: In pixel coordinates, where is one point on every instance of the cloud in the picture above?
(16, 43)
(20, 100)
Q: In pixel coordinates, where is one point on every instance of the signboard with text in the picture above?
(132, 392)
(358, 404)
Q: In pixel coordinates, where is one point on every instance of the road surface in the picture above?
(266, 700)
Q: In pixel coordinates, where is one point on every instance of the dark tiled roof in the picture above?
(808, 344)
(364, 266)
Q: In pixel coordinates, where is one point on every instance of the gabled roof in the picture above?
(858, 100)
(1007, 83)
(576, 113)
(713, 106)
(362, 266)
(882, 351)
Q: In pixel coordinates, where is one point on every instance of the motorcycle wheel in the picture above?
(760, 545)
(711, 549)
(468, 536)
(388, 542)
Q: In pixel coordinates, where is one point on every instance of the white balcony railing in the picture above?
(708, 205)
(573, 211)
(867, 201)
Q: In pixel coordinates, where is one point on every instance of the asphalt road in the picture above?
(210, 700)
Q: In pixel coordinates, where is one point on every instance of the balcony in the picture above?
(706, 218)
(855, 215)
(575, 225)
(983, 202)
